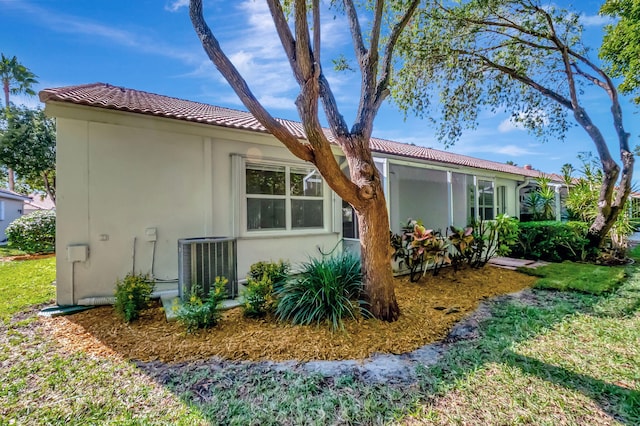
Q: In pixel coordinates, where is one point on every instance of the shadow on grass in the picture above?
(264, 393)
(514, 322)
(620, 402)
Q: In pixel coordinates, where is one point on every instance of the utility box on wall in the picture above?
(77, 253)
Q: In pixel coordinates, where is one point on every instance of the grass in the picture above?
(558, 357)
(6, 251)
(586, 278)
(24, 284)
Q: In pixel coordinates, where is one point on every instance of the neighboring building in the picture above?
(38, 202)
(11, 208)
(137, 171)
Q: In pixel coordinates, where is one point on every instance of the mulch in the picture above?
(429, 309)
(26, 257)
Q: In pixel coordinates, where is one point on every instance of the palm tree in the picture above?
(16, 79)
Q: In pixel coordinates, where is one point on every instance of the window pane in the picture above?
(306, 214)
(349, 221)
(265, 214)
(486, 213)
(264, 179)
(306, 182)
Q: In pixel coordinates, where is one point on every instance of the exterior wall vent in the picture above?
(201, 260)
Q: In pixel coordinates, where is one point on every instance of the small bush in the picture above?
(553, 241)
(266, 279)
(277, 272)
(132, 295)
(33, 233)
(327, 289)
(196, 312)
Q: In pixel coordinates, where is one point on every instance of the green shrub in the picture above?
(327, 289)
(277, 272)
(203, 312)
(259, 298)
(132, 295)
(553, 241)
(33, 233)
(266, 279)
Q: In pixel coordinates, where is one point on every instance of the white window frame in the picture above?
(482, 207)
(288, 230)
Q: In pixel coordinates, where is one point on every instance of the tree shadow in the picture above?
(620, 402)
(518, 321)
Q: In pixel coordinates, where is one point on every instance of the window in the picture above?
(281, 197)
(501, 199)
(485, 199)
(1, 210)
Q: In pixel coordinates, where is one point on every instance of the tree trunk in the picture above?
(12, 179)
(376, 263)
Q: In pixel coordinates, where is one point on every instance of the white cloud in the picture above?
(595, 20)
(176, 5)
(516, 122)
(509, 125)
(65, 23)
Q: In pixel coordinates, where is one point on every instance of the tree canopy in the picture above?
(28, 146)
(621, 44)
(515, 55)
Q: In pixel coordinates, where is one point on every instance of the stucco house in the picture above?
(137, 172)
(11, 208)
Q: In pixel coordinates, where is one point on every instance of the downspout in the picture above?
(527, 182)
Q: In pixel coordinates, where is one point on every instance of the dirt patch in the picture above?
(429, 310)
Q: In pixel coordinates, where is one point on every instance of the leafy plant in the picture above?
(278, 272)
(265, 281)
(490, 238)
(418, 248)
(327, 289)
(461, 240)
(541, 202)
(132, 295)
(582, 205)
(199, 311)
(553, 241)
(33, 233)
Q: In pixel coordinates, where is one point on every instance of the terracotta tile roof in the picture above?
(106, 96)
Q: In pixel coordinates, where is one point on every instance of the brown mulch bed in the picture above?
(429, 309)
(26, 257)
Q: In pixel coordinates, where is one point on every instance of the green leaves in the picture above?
(28, 146)
(621, 44)
(327, 289)
(497, 55)
(33, 233)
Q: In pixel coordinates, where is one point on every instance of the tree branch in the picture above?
(521, 78)
(239, 85)
(286, 38)
(356, 32)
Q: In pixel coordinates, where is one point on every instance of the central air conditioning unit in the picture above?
(201, 260)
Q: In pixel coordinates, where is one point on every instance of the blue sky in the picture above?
(150, 45)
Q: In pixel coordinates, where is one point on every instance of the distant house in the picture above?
(11, 208)
(137, 172)
(38, 202)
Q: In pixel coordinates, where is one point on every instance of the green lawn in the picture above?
(566, 357)
(25, 283)
(592, 279)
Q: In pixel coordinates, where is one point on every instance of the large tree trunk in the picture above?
(376, 264)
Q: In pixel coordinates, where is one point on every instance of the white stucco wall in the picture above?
(119, 175)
